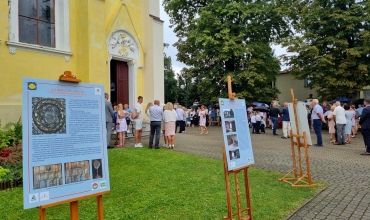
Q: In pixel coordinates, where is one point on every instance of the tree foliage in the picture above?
(331, 45)
(170, 83)
(228, 37)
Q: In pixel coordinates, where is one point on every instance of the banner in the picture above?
(64, 141)
(236, 133)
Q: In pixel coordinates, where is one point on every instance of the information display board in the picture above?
(302, 120)
(236, 133)
(64, 141)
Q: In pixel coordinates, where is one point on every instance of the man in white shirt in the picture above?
(138, 119)
(180, 119)
(317, 119)
(340, 122)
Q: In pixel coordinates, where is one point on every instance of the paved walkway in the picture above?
(346, 171)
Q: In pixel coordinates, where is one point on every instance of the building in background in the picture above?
(285, 81)
(117, 43)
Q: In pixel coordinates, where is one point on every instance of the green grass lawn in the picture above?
(163, 184)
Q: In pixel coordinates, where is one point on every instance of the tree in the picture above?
(170, 83)
(228, 37)
(331, 45)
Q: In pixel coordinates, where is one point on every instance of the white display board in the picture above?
(302, 121)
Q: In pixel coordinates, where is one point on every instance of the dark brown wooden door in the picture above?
(122, 82)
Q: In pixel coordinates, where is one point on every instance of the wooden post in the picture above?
(100, 207)
(73, 210)
(227, 185)
(42, 213)
(248, 192)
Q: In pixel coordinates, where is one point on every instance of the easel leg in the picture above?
(293, 155)
(100, 207)
(300, 160)
(248, 193)
(74, 210)
(307, 160)
(42, 213)
(237, 189)
(227, 185)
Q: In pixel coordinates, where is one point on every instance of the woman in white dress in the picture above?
(121, 125)
(170, 118)
(203, 119)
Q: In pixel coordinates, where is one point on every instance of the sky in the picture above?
(170, 38)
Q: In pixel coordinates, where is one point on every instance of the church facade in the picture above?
(117, 43)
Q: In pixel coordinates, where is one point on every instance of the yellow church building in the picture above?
(117, 43)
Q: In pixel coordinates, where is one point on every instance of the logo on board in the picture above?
(222, 102)
(103, 184)
(33, 198)
(44, 196)
(95, 186)
(97, 91)
(32, 86)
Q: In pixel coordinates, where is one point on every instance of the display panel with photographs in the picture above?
(77, 171)
(230, 126)
(47, 176)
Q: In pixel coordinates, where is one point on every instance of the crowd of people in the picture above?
(341, 119)
(167, 120)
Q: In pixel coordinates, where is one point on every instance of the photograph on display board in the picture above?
(77, 171)
(47, 176)
(48, 116)
(97, 170)
(230, 126)
(234, 154)
(228, 113)
(232, 140)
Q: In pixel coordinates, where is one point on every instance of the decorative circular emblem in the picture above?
(49, 116)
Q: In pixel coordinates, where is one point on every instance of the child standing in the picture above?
(121, 125)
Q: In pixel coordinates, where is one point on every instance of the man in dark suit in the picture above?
(365, 125)
(108, 119)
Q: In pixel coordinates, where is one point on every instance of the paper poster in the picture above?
(64, 141)
(235, 129)
(302, 121)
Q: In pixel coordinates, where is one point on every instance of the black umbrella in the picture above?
(359, 101)
(261, 109)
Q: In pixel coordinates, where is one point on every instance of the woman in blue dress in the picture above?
(348, 129)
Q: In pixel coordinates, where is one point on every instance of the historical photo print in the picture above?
(228, 113)
(48, 116)
(234, 154)
(232, 140)
(47, 176)
(97, 170)
(230, 126)
(77, 171)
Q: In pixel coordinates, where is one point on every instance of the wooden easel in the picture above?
(73, 206)
(240, 210)
(300, 179)
(73, 203)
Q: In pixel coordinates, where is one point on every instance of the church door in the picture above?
(122, 82)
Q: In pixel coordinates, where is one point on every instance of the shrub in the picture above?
(10, 134)
(3, 173)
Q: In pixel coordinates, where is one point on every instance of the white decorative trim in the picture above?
(62, 30)
(124, 45)
(36, 48)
